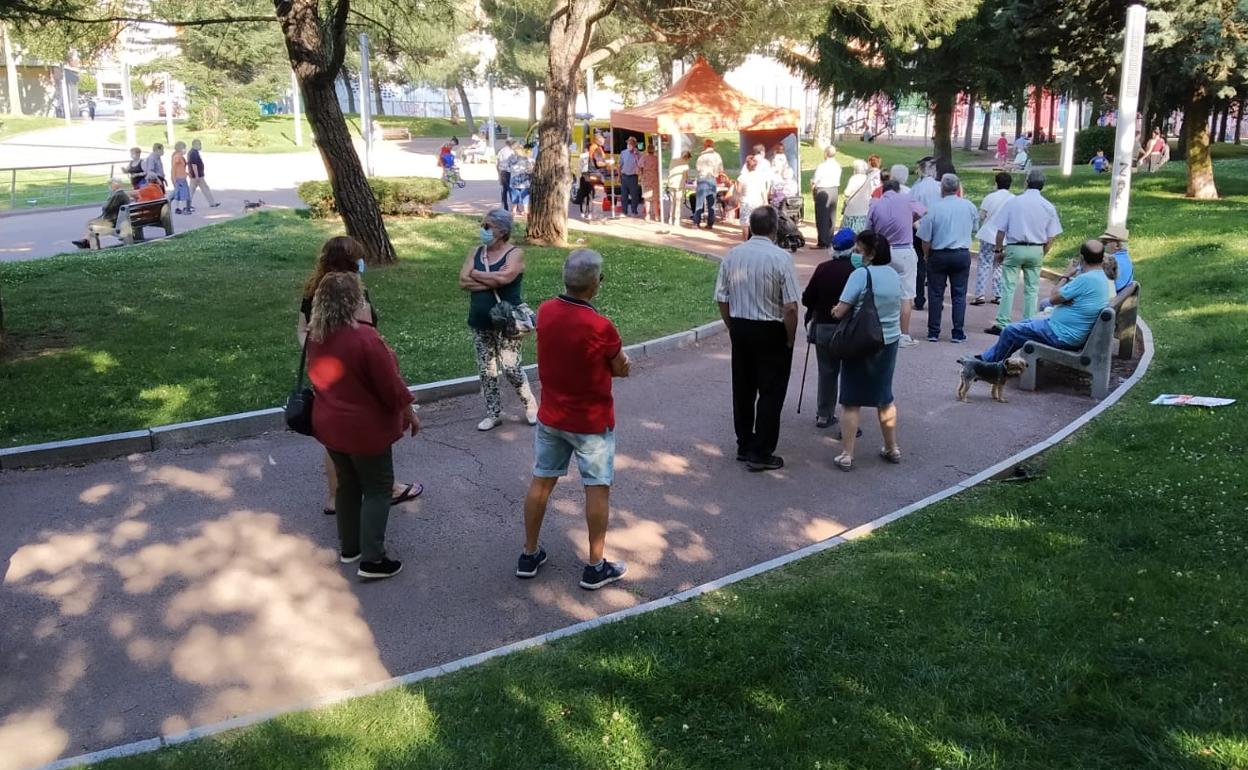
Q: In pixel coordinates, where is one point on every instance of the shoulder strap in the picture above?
(303, 363)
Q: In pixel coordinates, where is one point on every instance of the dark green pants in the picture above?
(365, 483)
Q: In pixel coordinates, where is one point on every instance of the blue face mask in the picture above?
(487, 237)
(855, 259)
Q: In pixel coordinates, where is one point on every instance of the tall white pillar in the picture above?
(294, 104)
(127, 101)
(1128, 105)
(1069, 127)
(65, 95)
(366, 121)
(168, 112)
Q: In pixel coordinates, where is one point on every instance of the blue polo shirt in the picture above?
(1088, 294)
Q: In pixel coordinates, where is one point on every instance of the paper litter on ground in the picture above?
(1170, 399)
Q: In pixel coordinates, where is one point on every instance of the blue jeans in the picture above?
(595, 455)
(954, 266)
(704, 199)
(1014, 336)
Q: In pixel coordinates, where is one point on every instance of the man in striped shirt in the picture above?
(757, 294)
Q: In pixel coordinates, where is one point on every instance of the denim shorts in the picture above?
(519, 197)
(595, 455)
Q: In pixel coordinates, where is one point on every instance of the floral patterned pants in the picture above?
(495, 354)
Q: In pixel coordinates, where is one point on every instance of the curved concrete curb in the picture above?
(245, 424)
(246, 720)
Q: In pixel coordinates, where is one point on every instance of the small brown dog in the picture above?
(995, 373)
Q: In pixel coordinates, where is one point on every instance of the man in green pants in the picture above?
(1026, 227)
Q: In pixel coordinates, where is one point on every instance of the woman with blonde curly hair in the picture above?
(343, 254)
(362, 407)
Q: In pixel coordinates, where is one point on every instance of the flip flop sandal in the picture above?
(893, 457)
(329, 512)
(844, 462)
(978, 301)
(410, 492)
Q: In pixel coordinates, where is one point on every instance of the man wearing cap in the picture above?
(1025, 232)
(893, 216)
(825, 184)
(821, 295)
(926, 192)
(945, 232)
(709, 166)
(1115, 240)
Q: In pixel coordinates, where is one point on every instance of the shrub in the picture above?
(204, 114)
(240, 114)
(1089, 140)
(397, 196)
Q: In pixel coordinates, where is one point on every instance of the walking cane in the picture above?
(801, 390)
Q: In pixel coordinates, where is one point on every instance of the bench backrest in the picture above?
(143, 212)
(1102, 334)
(1126, 305)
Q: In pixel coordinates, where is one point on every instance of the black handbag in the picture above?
(299, 404)
(859, 335)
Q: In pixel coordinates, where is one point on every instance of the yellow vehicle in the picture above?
(583, 127)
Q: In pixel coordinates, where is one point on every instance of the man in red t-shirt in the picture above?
(578, 352)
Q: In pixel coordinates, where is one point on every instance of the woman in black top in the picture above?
(343, 254)
(493, 272)
(820, 296)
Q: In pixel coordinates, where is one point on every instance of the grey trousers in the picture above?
(829, 372)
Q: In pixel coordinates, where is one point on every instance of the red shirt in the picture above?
(574, 346)
(149, 192)
(360, 395)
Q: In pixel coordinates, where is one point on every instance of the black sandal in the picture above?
(410, 492)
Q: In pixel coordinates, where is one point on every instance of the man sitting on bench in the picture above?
(106, 222)
(1078, 298)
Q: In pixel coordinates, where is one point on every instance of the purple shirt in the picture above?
(892, 215)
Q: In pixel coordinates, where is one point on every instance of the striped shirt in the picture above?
(757, 279)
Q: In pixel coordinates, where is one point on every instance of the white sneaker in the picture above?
(489, 423)
(530, 416)
(907, 341)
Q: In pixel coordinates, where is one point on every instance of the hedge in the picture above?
(1094, 138)
(397, 196)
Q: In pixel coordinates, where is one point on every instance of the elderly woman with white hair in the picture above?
(493, 272)
(857, 198)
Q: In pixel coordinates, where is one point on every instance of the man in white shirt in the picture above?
(825, 184)
(987, 270)
(709, 166)
(630, 188)
(757, 293)
(926, 192)
(945, 232)
(503, 163)
(1025, 232)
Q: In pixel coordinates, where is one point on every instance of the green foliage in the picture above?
(1089, 140)
(87, 84)
(239, 113)
(397, 196)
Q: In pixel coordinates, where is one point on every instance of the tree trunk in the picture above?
(1200, 182)
(10, 68)
(346, 82)
(452, 101)
(1239, 119)
(983, 135)
(1226, 115)
(532, 103)
(970, 122)
(1036, 122)
(942, 125)
(381, 107)
(463, 98)
(552, 179)
(665, 70)
(316, 62)
(825, 118)
(1018, 114)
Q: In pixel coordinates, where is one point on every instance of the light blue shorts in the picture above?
(595, 455)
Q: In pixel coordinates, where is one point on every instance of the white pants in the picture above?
(906, 262)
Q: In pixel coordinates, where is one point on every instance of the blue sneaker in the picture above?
(528, 564)
(595, 577)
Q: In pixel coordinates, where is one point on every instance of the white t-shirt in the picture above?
(754, 187)
(991, 205)
(827, 174)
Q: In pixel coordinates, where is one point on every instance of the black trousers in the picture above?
(920, 277)
(504, 181)
(761, 360)
(825, 214)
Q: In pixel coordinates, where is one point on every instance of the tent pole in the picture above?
(613, 169)
(658, 145)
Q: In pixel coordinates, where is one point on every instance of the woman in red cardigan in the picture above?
(362, 407)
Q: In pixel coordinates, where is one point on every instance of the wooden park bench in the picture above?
(396, 133)
(1115, 324)
(133, 217)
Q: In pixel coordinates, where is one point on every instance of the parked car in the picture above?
(105, 107)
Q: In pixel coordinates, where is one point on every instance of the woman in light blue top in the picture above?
(869, 381)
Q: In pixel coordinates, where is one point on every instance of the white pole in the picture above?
(127, 99)
(1128, 103)
(294, 103)
(65, 95)
(1068, 137)
(168, 110)
(489, 79)
(366, 123)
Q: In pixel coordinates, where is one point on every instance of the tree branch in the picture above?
(18, 10)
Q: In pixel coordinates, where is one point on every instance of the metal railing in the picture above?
(42, 187)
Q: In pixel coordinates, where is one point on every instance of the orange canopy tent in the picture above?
(701, 102)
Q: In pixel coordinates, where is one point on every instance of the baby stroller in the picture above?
(789, 234)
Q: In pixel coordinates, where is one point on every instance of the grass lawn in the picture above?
(203, 325)
(1094, 618)
(11, 125)
(277, 132)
